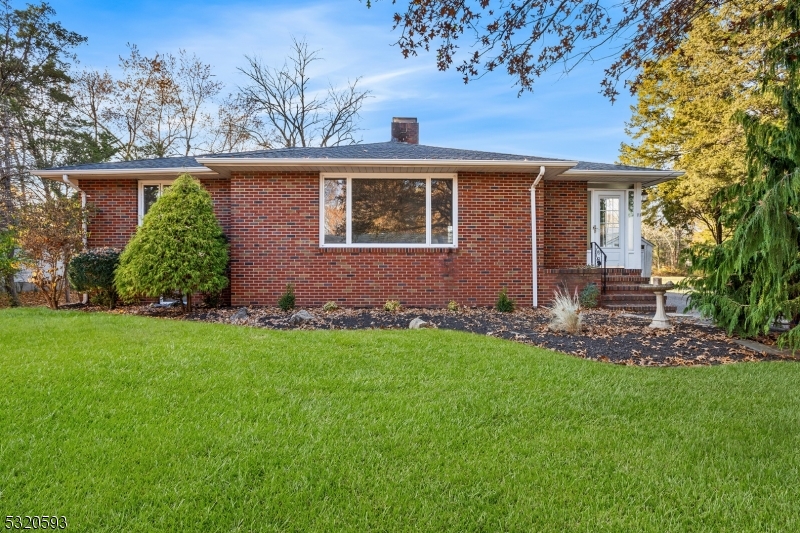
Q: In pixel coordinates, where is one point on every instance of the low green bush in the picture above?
(286, 301)
(590, 296)
(452, 306)
(504, 303)
(92, 272)
(212, 299)
(330, 306)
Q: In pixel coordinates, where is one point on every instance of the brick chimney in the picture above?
(405, 130)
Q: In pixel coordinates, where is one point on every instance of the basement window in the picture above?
(388, 210)
(149, 192)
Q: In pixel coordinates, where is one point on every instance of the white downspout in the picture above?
(66, 179)
(534, 254)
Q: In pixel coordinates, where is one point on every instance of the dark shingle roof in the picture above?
(162, 162)
(385, 150)
(588, 165)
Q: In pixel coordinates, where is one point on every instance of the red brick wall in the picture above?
(116, 211)
(272, 222)
(562, 232)
(275, 241)
(116, 208)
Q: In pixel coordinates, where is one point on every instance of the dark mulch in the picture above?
(606, 336)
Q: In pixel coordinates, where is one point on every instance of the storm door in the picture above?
(608, 225)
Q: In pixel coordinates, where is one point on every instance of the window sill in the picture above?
(444, 249)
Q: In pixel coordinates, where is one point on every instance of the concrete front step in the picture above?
(638, 308)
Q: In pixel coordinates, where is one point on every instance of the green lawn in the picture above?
(131, 424)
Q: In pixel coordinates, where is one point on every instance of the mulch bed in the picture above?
(607, 336)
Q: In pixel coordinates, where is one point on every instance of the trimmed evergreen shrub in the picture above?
(590, 296)
(179, 247)
(287, 298)
(504, 303)
(330, 306)
(93, 272)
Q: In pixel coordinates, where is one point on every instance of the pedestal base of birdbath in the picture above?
(660, 320)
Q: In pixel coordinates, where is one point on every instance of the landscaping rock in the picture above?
(418, 323)
(300, 317)
(241, 314)
(166, 305)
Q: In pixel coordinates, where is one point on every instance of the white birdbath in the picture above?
(660, 320)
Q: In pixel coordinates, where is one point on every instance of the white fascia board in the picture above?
(122, 172)
(625, 173)
(647, 178)
(288, 162)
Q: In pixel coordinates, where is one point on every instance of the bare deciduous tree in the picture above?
(294, 113)
(159, 108)
(237, 127)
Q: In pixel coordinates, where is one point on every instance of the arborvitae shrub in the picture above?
(286, 301)
(504, 303)
(179, 248)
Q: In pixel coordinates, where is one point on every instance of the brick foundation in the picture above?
(569, 279)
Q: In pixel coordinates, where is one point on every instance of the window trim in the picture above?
(386, 175)
(140, 195)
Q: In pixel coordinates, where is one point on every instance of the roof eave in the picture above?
(647, 178)
(119, 172)
(269, 161)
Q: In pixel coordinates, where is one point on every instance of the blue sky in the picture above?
(564, 117)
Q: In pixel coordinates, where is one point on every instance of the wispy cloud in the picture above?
(565, 116)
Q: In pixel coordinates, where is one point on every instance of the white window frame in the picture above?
(349, 233)
(142, 183)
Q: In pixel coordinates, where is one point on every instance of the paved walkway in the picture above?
(680, 301)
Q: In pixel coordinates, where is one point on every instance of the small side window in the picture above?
(149, 193)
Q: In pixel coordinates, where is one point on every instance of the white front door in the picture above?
(608, 225)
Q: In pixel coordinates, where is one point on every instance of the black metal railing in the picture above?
(597, 258)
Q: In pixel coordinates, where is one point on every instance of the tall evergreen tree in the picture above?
(179, 248)
(752, 279)
(683, 118)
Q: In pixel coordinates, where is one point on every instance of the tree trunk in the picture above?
(66, 283)
(189, 303)
(11, 290)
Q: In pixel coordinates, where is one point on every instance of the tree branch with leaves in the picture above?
(527, 38)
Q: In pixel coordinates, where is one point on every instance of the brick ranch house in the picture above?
(365, 223)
